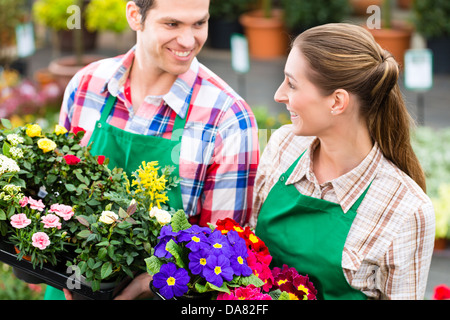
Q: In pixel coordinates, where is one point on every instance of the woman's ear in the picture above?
(133, 16)
(340, 102)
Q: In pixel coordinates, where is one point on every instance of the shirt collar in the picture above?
(348, 187)
(177, 98)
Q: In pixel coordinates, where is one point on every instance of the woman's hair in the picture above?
(346, 56)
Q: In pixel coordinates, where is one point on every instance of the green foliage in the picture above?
(228, 9)
(301, 15)
(432, 18)
(52, 13)
(106, 15)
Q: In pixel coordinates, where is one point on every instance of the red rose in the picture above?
(71, 159)
(100, 159)
(78, 129)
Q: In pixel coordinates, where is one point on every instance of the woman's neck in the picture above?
(340, 152)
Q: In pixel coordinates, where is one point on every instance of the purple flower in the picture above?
(217, 269)
(239, 261)
(195, 236)
(171, 281)
(235, 239)
(165, 236)
(197, 261)
(220, 244)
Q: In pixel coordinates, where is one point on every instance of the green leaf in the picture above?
(122, 213)
(70, 187)
(2, 215)
(106, 270)
(103, 244)
(102, 253)
(210, 287)
(177, 253)
(179, 221)
(153, 265)
(84, 234)
(6, 147)
(6, 123)
(284, 296)
(252, 279)
(124, 225)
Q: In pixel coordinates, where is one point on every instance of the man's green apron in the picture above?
(308, 234)
(127, 150)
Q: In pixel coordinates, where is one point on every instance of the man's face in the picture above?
(173, 33)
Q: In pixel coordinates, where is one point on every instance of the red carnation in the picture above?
(441, 292)
(71, 159)
(100, 159)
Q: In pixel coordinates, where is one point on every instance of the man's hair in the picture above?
(144, 7)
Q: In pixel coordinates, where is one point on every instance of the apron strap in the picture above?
(108, 108)
(357, 203)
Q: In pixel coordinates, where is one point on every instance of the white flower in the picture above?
(8, 165)
(108, 217)
(14, 139)
(162, 216)
(16, 153)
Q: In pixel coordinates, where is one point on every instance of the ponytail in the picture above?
(346, 56)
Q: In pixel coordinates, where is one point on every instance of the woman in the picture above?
(340, 194)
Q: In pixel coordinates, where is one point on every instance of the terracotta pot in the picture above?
(404, 4)
(396, 40)
(360, 6)
(65, 68)
(440, 244)
(267, 37)
(27, 258)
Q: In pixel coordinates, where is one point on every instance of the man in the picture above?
(158, 91)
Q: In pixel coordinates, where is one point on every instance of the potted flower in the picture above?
(55, 15)
(224, 21)
(305, 14)
(114, 242)
(265, 31)
(11, 13)
(431, 21)
(221, 262)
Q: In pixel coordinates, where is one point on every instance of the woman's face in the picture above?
(310, 110)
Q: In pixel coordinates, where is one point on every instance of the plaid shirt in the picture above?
(387, 253)
(219, 152)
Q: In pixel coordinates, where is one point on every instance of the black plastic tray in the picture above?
(56, 276)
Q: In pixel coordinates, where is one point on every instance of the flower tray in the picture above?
(56, 276)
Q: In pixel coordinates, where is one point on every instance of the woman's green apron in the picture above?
(308, 234)
(127, 150)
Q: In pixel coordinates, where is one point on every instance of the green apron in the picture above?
(127, 150)
(308, 234)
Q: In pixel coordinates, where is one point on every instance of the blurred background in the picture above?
(40, 51)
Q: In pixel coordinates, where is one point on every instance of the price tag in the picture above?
(418, 69)
(240, 61)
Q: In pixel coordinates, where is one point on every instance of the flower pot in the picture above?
(441, 53)
(360, 6)
(186, 297)
(65, 68)
(267, 37)
(24, 275)
(440, 244)
(396, 40)
(220, 32)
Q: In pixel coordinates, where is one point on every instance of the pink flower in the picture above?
(51, 221)
(36, 204)
(71, 159)
(20, 221)
(244, 293)
(23, 202)
(65, 212)
(40, 240)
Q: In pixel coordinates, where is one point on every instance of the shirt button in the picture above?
(282, 178)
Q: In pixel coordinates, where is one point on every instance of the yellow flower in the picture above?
(60, 130)
(46, 145)
(149, 183)
(33, 130)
